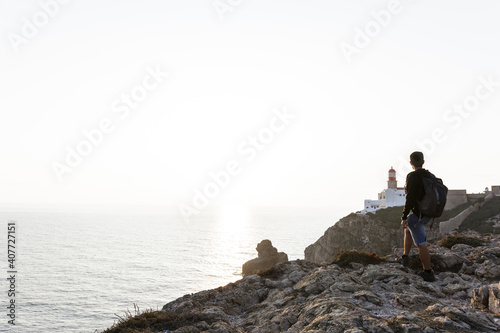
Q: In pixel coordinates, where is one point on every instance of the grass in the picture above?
(272, 273)
(345, 257)
(391, 217)
(477, 220)
(149, 321)
(451, 240)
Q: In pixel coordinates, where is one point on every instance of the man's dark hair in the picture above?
(417, 158)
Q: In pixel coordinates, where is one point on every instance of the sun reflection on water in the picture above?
(232, 231)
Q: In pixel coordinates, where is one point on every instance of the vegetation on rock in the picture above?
(345, 257)
(270, 273)
(454, 239)
(149, 321)
(391, 217)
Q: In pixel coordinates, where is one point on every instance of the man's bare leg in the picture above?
(425, 257)
(408, 242)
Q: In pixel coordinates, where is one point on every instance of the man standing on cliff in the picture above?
(414, 223)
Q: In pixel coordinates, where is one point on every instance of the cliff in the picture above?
(302, 296)
(360, 232)
(381, 232)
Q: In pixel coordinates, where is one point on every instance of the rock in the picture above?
(356, 265)
(489, 270)
(377, 298)
(447, 261)
(357, 232)
(367, 296)
(480, 298)
(301, 296)
(268, 256)
(494, 302)
(487, 298)
(454, 288)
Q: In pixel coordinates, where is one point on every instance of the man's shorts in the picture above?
(417, 229)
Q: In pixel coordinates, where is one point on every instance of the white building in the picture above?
(392, 196)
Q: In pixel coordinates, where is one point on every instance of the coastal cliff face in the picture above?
(359, 232)
(382, 233)
(301, 296)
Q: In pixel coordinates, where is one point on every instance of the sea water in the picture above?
(76, 271)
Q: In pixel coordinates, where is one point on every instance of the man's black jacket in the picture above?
(415, 191)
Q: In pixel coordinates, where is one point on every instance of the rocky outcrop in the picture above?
(268, 256)
(381, 232)
(301, 296)
(487, 298)
(358, 232)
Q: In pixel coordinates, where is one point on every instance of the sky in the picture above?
(199, 103)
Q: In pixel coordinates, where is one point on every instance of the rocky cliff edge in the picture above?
(359, 232)
(301, 296)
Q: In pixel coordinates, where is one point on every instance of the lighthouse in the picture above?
(392, 182)
(390, 197)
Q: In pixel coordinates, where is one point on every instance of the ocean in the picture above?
(77, 270)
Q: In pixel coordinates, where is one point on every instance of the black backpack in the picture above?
(434, 200)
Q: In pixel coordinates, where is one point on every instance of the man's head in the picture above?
(417, 159)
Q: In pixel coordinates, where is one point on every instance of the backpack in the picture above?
(434, 200)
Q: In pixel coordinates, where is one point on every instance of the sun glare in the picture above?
(234, 218)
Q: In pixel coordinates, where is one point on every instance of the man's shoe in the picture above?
(427, 276)
(405, 261)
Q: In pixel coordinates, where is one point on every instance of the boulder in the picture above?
(268, 256)
(355, 232)
(487, 298)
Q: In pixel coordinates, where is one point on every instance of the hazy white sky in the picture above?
(348, 122)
